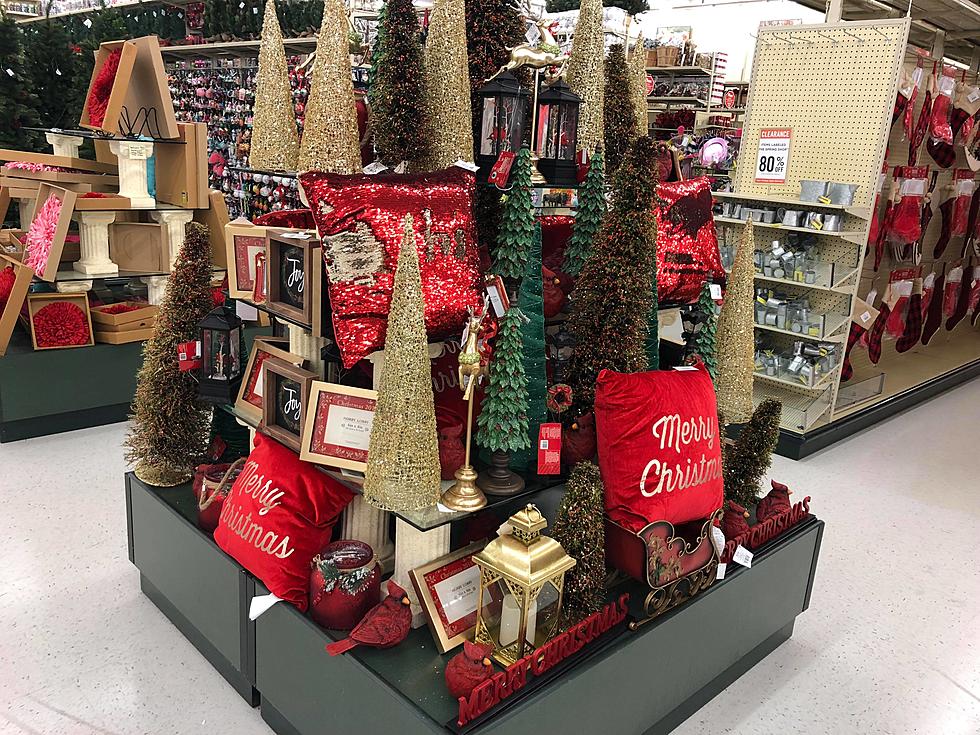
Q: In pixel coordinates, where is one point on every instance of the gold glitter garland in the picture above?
(330, 137)
(585, 73)
(403, 457)
(638, 81)
(447, 86)
(735, 338)
(275, 142)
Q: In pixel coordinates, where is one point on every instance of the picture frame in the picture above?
(337, 426)
(249, 402)
(285, 396)
(243, 241)
(37, 302)
(294, 276)
(447, 589)
(18, 294)
(67, 198)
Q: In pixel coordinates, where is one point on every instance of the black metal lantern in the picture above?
(557, 134)
(506, 107)
(222, 347)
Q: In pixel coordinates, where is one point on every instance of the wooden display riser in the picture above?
(663, 673)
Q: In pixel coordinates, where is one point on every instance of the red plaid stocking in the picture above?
(876, 333)
(962, 301)
(946, 212)
(934, 314)
(913, 324)
(921, 127)
(847, 370)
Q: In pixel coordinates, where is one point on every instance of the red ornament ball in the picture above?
(61, 324)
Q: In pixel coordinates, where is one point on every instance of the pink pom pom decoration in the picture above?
(40, 237)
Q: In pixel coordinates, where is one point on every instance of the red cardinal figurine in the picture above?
(554, 297)
(733, 522)
(775, 502)
(467, 669)
(578, 441)
(385, 625)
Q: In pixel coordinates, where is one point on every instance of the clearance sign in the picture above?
(772, 160)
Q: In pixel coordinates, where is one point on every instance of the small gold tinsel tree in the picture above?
(584, 73)
(170, 426)
(330, 137)
(403, 457)
(735, 338)
(638, 84)
(275, 143)
(447, 86)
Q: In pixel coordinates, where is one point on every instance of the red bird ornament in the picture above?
(775, 502)
(468, 668)
(383, 626)
(733, 523)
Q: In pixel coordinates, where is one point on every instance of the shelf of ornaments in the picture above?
(861, 212)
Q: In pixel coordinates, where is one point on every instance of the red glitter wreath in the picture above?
(7, 279)
(61, 324)
(98, 96)
(119, 308)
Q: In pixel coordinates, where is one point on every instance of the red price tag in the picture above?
(189, 356)
(500, 172)
(549, 449)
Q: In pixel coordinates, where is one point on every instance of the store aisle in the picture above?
(891, 643)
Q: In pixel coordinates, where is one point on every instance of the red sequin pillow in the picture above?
(360, 220)
(687, 247)
(659, 447)
(278, 515)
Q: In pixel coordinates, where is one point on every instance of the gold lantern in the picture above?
(521, 583)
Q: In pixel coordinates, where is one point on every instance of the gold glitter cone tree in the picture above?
(403, 457)
(619, 116)
(638, 84)
(275, 143)
(735, 339)
(447, 86)
(330, 138)
(584, 73)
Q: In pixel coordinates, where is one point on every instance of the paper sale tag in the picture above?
(720, 574)
(532, 34)
(772, 159)
(714, 291)
(189, 356)
(467, 165)
(742, 556)
(138, 152)
(87, 22)
(974, 95)
(718, 540)
(375, 168)
(261, 603)
(549, 449)
(499, 300)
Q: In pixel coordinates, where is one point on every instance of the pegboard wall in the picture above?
(834, 85)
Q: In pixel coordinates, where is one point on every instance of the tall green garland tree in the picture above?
(517, 222)
(702, 342)
(612, 299)
(19, 107)
(531, 304)
(396, 93)
(745, 463)
(502, 424)
(170, 425)
(580, 529)
(588, 218)
(619, 108)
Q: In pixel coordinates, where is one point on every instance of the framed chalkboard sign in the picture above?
(285, 394)
(294, 272)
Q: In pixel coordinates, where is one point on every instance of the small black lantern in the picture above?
(222, 347)
(503, 120)
(557, 134)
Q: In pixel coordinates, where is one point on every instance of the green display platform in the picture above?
(647, 681)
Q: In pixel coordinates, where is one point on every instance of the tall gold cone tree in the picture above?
(330, 137)
(403, 457)
(734, 340)
(584, 73)
(275, 142)
(447, 86)
(638, 84)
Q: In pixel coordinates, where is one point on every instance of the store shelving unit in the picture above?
(797, 84)
(39, 16)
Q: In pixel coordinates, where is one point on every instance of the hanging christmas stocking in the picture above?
(906, 224)
(946, 213)
(900, 292)
(974, 300)
(875, 228)
(886, 221)
(911, 90)
(913, 320)
(972, 221)
(928, 289)
(934, 314)
(853, 338)
(921, 128)
(877, 332)
(962, 299)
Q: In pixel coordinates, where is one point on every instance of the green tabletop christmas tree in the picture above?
(588, 217)
(580, 529)
(702, 342)
(619, 113)
(517, 222)
(531, 304)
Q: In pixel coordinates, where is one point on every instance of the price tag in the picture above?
(684, 367)
(772, 160)
(718, 540)
(714, 290)
(532, 34)
(974, 95)
(57, 72)
(87, 22)
(742, 556)
(549, 449)
(10, 72)
(375, 168)
(137, 153)
(720, 574)
(468, 165)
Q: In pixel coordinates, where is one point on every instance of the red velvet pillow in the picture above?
(360, 219)
(278, 515)
(687, 246)
(659, 448)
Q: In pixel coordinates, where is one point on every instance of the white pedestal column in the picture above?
(155, 288)
(132, 157)
(64, 145)
(93, 235)
(25, 209)
(363, 522)
(413, 548)
(302, 343)
(73, 286)
(175, 225)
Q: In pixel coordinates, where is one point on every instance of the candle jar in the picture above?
(810, 276)
(345, 582)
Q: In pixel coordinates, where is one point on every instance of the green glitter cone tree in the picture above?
(531, 303)
(745, 462)
(612, 300)
(702, 342)
(588, 218)
(580, 529)
(619, 109)
(397, 90)
(170, 425)
(503, 424)
(517, 222)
